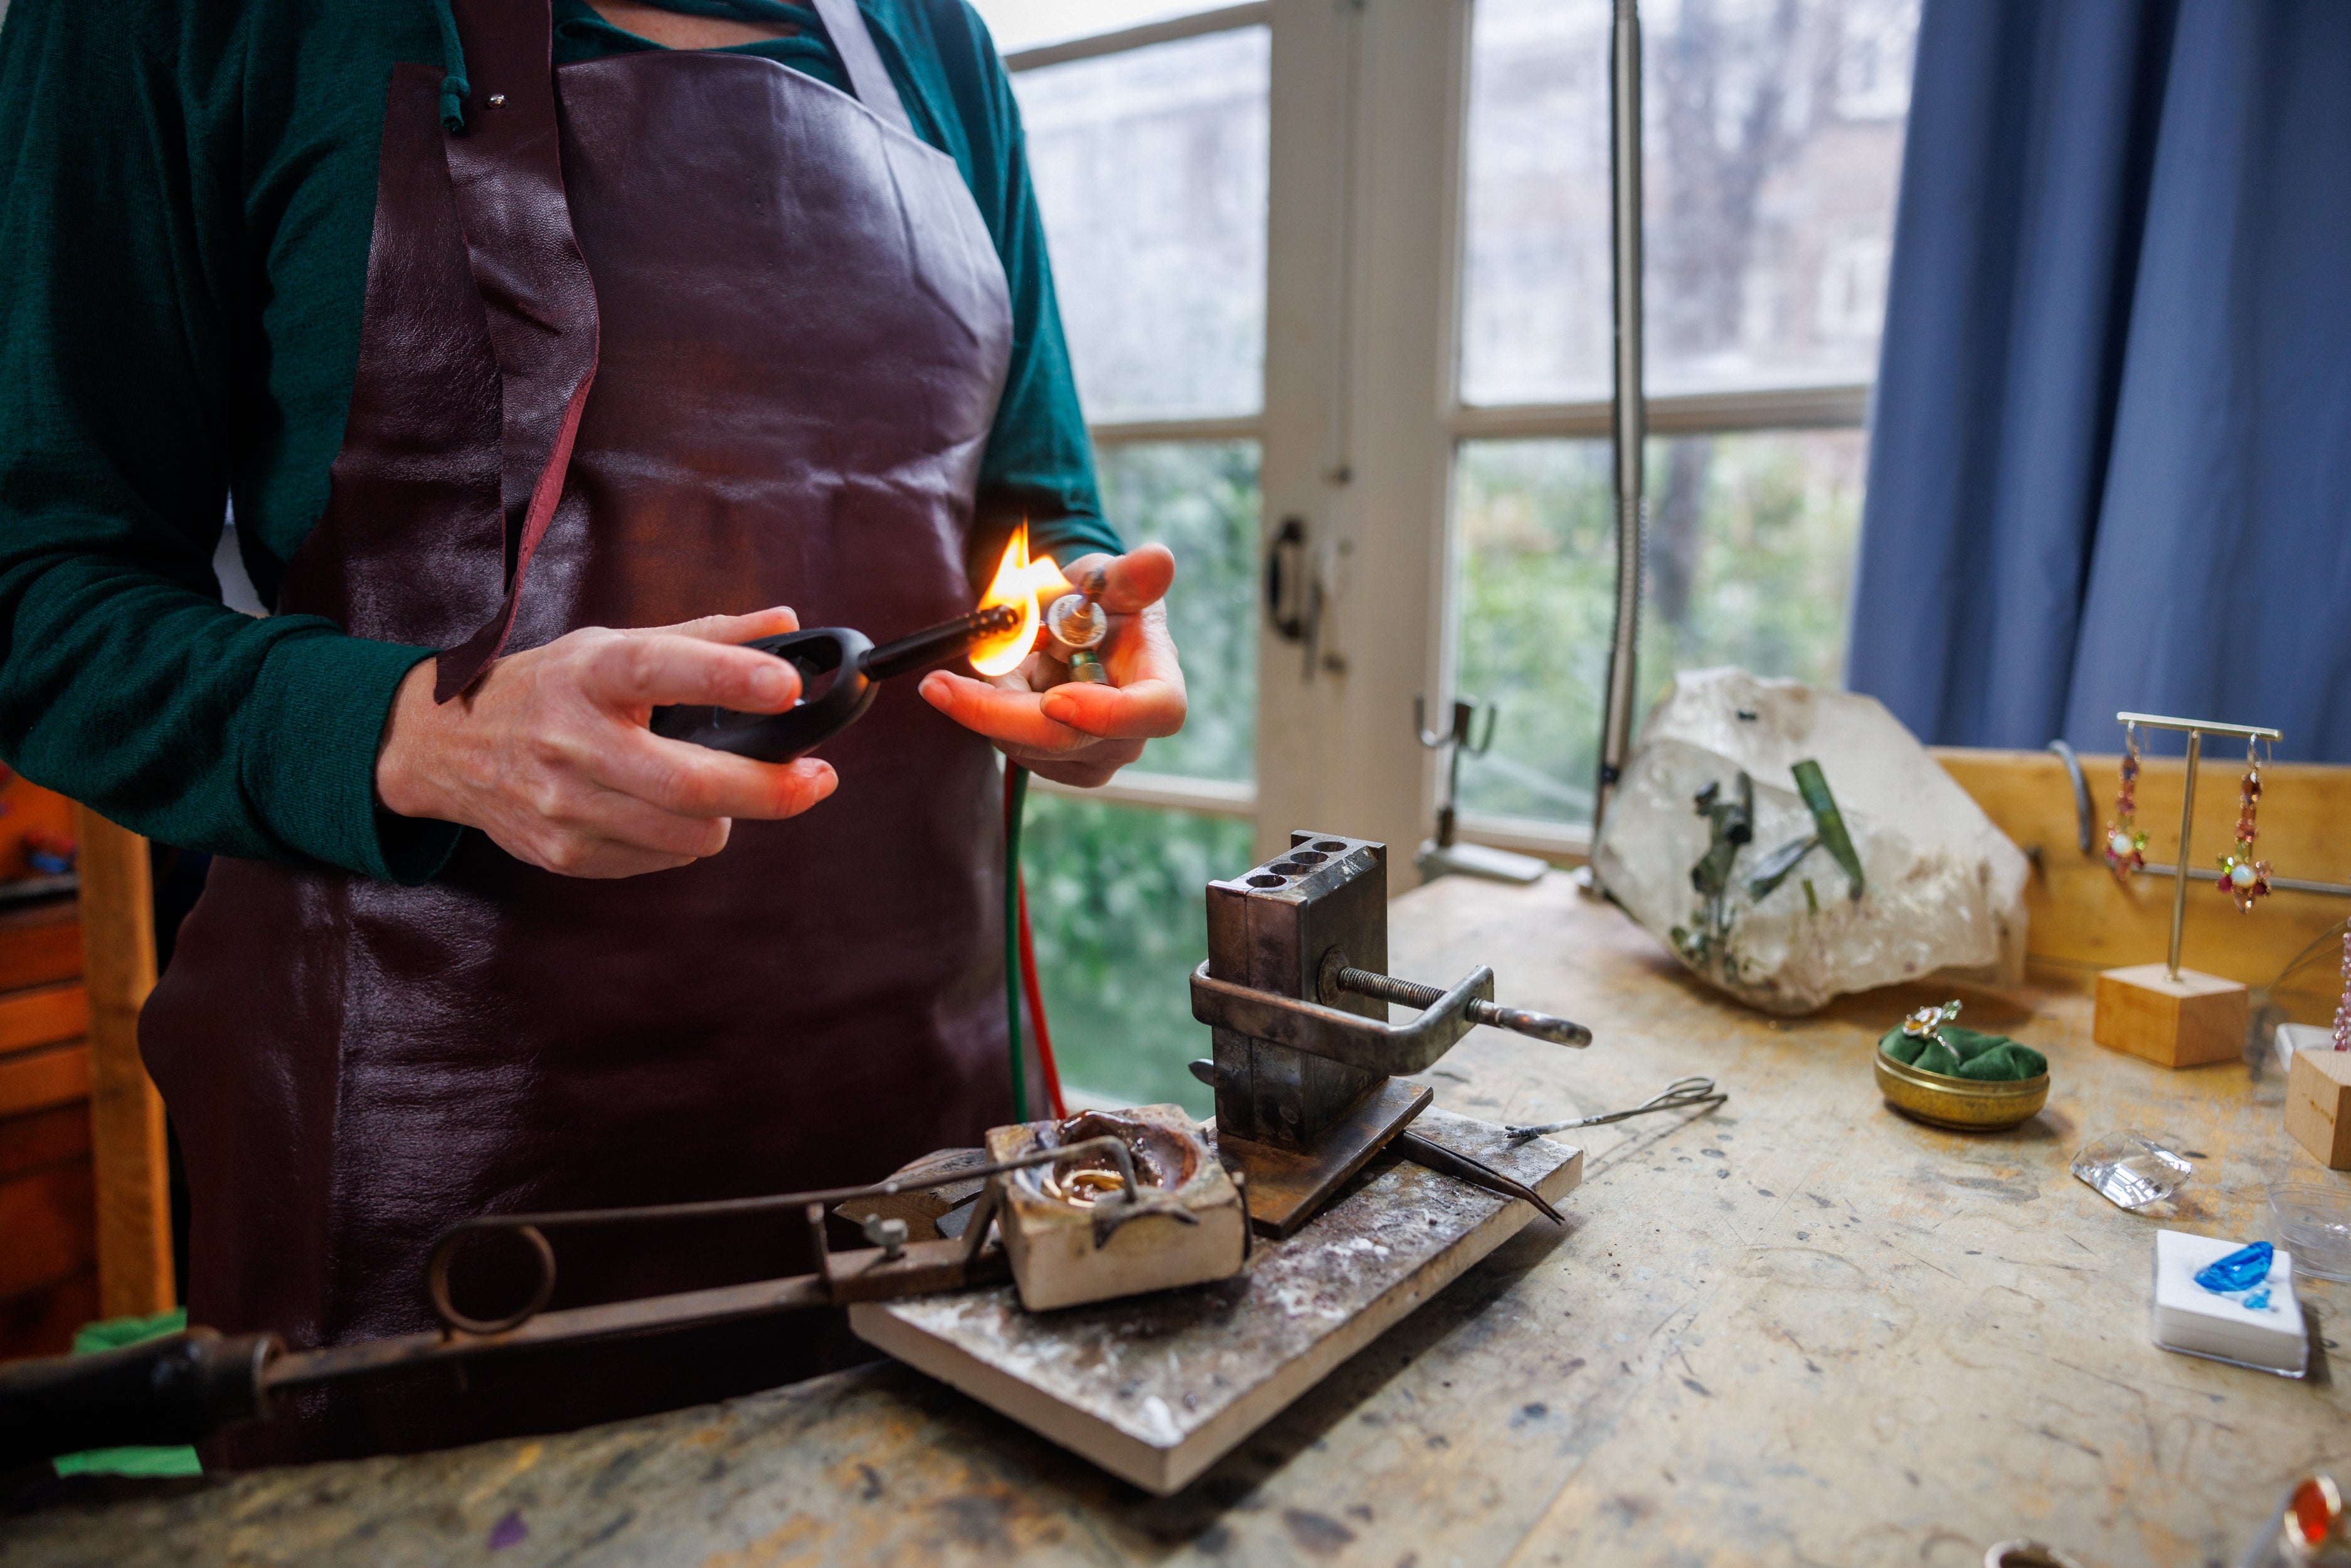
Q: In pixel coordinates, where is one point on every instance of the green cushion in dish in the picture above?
(1938, 1059)
(1966, 1053)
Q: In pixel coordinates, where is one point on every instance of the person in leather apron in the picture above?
(671, 339)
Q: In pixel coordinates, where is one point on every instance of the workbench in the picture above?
(1796, 1329)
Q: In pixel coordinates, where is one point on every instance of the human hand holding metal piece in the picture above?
(1075, 731)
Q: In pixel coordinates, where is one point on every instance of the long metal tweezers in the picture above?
(1680, 1093)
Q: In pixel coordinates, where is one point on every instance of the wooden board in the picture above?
(2083, 921)
(43, 1015)
(126, 1113)
(44, 1077)
(40, 944)
(48, 1277)
(1157, 1388)
(1799, 1329)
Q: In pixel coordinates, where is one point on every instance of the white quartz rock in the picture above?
(1942, 886)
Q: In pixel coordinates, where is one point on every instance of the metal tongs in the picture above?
(1682, 1093)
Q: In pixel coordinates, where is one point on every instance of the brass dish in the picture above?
(1960, 1104)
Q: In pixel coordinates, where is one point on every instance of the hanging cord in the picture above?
(454, 85)
(1020, 958)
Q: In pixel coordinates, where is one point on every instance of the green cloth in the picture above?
(186, 193)
(113, 1334)
(1966, 1053)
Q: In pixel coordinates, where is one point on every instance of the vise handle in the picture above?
(1337, 975)
(1373, 1044)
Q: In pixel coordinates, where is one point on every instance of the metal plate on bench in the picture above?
(1157, 1388)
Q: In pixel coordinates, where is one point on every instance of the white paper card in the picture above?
(2196, 1321)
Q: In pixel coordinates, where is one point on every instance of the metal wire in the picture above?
(1682, 1093)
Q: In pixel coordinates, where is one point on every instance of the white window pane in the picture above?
(1773, 143)
(1200, 500)
(1117, 898)
(1030, 24)
(1151, 168)
(1749, 562)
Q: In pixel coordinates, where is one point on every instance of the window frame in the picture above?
(1360, 417)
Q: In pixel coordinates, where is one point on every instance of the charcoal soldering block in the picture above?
(2197, 1322)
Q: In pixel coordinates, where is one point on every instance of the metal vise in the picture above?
(1295, 995)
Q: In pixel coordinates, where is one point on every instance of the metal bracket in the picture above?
(1342, 1037)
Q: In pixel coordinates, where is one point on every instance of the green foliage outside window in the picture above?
(1116, 898)
(1751, 545)
(1116, 894)
(1200, 500)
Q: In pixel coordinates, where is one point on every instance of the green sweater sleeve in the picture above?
(126, 684)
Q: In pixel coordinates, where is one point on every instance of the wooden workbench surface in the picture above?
(1798, 1329)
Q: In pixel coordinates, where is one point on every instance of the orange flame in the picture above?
(1019, 580)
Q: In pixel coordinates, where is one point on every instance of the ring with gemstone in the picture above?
(1928, 1023)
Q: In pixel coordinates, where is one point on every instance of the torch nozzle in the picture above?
(922, 649)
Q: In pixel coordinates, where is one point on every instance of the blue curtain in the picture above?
(2110, 459)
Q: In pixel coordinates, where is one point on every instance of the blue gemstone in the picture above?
(2259, 1299)
(2240, 1271)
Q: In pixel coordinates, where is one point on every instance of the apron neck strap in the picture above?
(854, 42)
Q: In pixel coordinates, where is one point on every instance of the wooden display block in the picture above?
(2318, 1106)
(2193, 1020)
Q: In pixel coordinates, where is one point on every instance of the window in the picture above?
(1349, 265)
(1148, 147)
(1773, 143)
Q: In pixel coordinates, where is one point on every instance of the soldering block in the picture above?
(1061, 1256)
(2194, 1321)
(2318, 1105)
(2193, 1020)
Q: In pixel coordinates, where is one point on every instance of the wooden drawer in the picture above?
(38, 1079)
(43, 1015)
(39, 945)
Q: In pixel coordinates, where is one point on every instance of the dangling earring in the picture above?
(2125, 845)
(2243, 877)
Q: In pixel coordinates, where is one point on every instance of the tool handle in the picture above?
(1540, 1026)
(162, 1392)
(1412, 994)
(822, 650)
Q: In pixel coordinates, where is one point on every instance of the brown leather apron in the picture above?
(776, 391)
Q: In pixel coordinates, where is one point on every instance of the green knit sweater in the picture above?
(186, 194)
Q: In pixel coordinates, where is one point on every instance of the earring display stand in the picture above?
(2171, 1015)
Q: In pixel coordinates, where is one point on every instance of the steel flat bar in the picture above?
(2277, 883)
(2206, 726)
(727, 1304)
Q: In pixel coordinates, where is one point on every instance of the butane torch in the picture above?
(841, 673)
